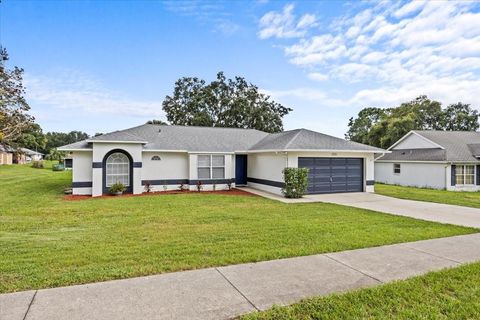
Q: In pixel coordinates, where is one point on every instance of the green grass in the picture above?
(448, 294)
(46, 241)
(467, 199)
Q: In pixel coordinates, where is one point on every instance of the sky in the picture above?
(100, 66)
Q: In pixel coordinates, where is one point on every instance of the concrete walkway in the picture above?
(226, 292)
(437, 212)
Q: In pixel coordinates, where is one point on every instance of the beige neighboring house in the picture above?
(6, 155)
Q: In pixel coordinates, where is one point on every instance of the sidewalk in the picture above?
(226, 292)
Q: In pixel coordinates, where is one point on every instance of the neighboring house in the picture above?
(167, 157)
(6, 155)
(31, 155)
(433, 159)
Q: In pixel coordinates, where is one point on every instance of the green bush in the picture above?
(296, 181)
(117, 187)
(37, 164)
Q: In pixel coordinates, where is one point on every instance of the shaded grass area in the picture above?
(467, 199)
(46, 241)
(448, 294)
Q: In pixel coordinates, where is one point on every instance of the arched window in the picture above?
(118, 169)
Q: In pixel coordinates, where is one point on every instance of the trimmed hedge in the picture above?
(296, 182)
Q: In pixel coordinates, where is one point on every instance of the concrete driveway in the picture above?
(444, 213)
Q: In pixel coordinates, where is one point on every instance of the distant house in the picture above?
(31, 155)
(434, 159)
(6, 155)
(170, 157)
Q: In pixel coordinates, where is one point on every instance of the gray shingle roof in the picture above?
(459, 146)
(76, 146)
(200, 139)
(303, 139)
(416, 155)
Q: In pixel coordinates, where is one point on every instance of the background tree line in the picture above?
(382, 127)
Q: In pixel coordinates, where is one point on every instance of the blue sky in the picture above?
(99, 66)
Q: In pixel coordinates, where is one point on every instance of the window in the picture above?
(156, 158)
(118, 169)
(396, 168)
(211, 166)
(465, 175)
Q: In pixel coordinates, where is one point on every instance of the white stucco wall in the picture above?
(82, 171)
(413, 141)
(171, 166)
(415, 174)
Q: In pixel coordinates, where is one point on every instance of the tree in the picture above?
(14, 119)
(57, 139)
(155, 121)
(383, 127)
(54, 154)
(460, 117)
(32, 138)
(224, 102)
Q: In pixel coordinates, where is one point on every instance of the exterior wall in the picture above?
(413, 141)
(264, 171)
(99, 152)
(414, 174)
(6, 158)
(82, 173)
(166, 173)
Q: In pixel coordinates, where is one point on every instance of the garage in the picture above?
(333, 175)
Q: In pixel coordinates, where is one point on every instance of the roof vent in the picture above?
(159, 130)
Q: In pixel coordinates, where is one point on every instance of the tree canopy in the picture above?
(383, 127)
(14, 119)
(224, 102)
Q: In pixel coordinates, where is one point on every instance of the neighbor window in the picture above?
(118, 169)
(464, 175)
(396, 168)
(211, 166)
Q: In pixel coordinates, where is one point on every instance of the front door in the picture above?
(240, 169)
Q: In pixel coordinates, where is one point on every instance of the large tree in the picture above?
(57, 139)
(383, 127)
(224, 102)
(14, 119)
(33, 138)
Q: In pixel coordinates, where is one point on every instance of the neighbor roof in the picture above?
(30, 152)
(458, 146)
(216, 139)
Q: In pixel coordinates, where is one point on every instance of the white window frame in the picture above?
(211, 167)
(399, 168)
(107, 174)
(464, 174)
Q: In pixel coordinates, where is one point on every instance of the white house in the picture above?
(167, 157)
(433, 159)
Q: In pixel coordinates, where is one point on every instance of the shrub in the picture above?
(296, 181)
(199, 186)
(37, 164)
(148, 187)
(229, 185)
(182, 187)
(117, 187)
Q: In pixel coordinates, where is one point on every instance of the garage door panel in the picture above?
(329, 175)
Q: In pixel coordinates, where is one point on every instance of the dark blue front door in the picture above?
(241, 169)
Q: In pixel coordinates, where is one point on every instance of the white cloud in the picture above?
(77, 92)
(393, 52)
(285, 24)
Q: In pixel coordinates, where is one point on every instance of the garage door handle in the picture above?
(331, 180)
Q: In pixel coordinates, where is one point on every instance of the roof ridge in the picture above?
(294, 137)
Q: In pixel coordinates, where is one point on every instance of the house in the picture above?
(167, 157)
(6, 155)
(433, 159)
(31, 155)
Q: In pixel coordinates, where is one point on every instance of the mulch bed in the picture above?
(233, 192)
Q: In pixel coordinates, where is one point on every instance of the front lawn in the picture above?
(46, 241)
(467, 199)
(448, 294)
